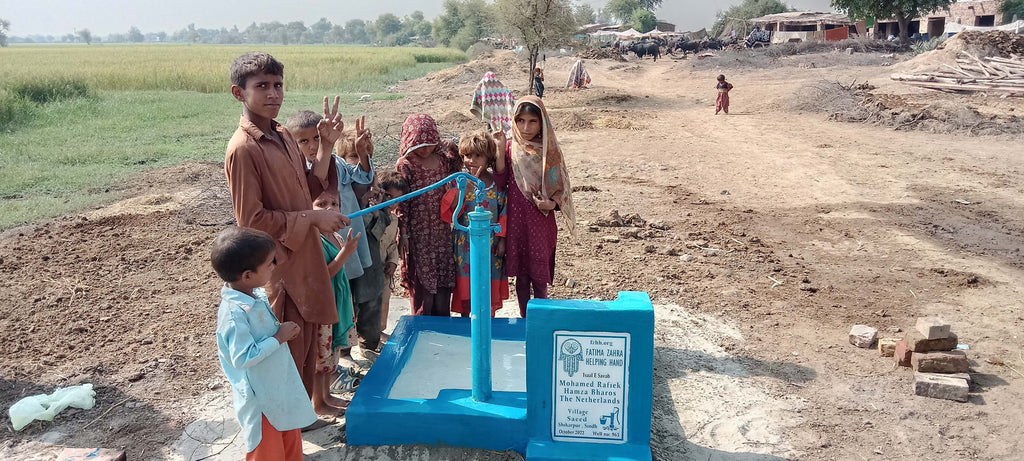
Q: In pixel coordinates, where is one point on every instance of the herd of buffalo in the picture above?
(652, 46)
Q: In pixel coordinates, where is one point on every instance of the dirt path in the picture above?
(860, 223)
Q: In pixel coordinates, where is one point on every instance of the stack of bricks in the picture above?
(940, 370)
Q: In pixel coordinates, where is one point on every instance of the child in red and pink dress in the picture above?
(424, 240)
(479, 154)
(533, 171)
(722, 101)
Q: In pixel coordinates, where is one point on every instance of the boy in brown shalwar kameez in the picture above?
(271, 190)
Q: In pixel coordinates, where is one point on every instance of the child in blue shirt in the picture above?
(269, 398)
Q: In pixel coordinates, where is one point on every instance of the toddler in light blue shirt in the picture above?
(269, 398)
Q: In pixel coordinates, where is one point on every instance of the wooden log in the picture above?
(957, 69)
(953, 86)
(978, 60)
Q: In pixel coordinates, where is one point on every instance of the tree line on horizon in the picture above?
(461, 24)
(464, 22)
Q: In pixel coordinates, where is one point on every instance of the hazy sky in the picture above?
(102, 17)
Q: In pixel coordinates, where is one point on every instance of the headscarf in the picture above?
(493, 102)
(578, 76)
(418, 130)
(540, 167)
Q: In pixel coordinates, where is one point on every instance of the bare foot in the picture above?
(336, 402)
(320, 423)
(325, 409)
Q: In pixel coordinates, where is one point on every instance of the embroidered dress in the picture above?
(429, 262)
(492, 200)
(534, 167)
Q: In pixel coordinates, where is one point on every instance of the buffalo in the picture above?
(644, 48)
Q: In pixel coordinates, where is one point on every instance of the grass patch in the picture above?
(73, 152)
(14, 110)
(204, 68)
(58, 89)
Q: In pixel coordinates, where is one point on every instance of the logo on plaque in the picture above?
(590, 386)
(571, 356)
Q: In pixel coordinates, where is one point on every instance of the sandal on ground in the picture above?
(346, 382)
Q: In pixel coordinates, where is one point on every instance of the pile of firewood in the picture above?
(991, 74)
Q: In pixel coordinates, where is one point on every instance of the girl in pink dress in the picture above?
(424, 240)
(533, 170)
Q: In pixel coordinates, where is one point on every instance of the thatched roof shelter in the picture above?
(803, 18)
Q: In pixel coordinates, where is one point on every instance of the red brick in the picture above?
(940, 362)
(902, 353)
(918, 343)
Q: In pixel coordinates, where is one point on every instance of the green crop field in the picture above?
(76, 119)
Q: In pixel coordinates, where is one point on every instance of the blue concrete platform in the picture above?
(453, 417)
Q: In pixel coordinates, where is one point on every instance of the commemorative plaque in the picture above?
(591, 380)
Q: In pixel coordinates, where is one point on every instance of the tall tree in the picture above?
(463, 23)
(318, 30)
(537, 24)
(622, 10)
(746, 10)
(5, 26)
(903, 11)
(135, 35)
(1012, 10)
(355, 31)
(387, 24)
(85, 36)
(584, 14)
(296, 31)
(643, 20)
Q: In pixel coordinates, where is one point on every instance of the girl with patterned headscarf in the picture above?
(533, 171)
(424, 240)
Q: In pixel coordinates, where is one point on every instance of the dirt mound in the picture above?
(846, 103)
(504, 64)
(459, 122)
(600, 53)
(619, 122)
(574, 120)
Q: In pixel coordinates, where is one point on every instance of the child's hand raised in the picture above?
(364, 138)
(329, 128)
(499, 137)
(287, 332)
(349, 247)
